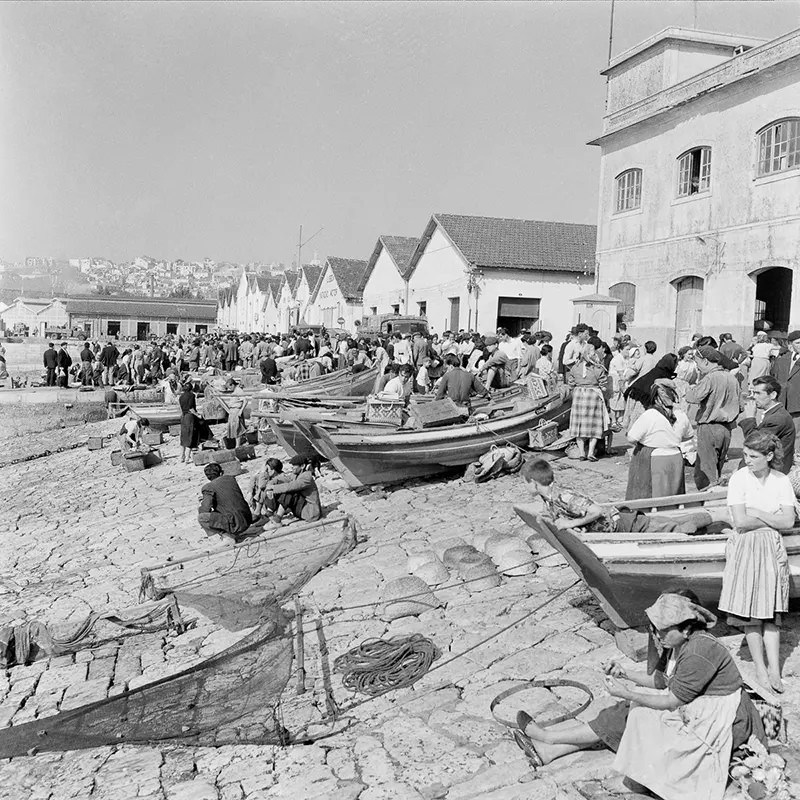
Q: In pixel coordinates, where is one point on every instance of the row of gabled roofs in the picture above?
(484, 243)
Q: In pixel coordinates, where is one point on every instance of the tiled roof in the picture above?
(291, 277)
(400, 250)
(144, 308)
(262, 281)
(496, 243)
(350, 274)
(313, 273)
(274, 287)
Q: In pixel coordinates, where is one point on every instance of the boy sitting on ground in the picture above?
(568, 509)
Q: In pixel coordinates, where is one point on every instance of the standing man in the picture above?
(786, 370)
(50, 359)
(87, 357)
(717, 394)
(64, 361)
(231, 354)
(765, 413)
(108, 358)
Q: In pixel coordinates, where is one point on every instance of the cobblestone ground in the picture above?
(76, 531)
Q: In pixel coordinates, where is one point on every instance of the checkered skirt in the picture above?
(589, 417)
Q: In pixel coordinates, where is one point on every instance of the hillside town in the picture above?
(498, 507)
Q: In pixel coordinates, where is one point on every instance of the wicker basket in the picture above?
(395, 608)
(480, 577)
(389, 411)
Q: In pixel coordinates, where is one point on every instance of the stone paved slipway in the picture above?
(75, 531)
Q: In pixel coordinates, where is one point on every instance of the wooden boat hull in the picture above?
(364, 460)
(335, 384)
(161, 415)
(626, 572)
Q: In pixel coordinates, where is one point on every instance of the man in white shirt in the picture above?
(580, 335)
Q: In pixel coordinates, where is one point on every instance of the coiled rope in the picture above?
(378, 666)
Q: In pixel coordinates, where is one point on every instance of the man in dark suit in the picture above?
(786, 370)
(64, 362)
(50, 359)
(775, 418)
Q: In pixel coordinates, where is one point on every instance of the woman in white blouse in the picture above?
(656, 468)
(755, 582)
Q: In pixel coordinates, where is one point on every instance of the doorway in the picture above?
(142, 331)
(455, 313)
(773, 298)
(517, 314)
(688, 309)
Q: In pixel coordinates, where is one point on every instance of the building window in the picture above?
(423, 308)
(629, 190)
(373, 310)
(779, 146)
(694, 171)
(626, 293)
(396, 308)
(172, 328)
(113, 327)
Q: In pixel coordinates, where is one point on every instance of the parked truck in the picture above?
(388, 324)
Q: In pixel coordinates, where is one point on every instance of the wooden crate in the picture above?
(537, 387)
(116, 458)
(152, 458)
(202, 457)
(390, 411)
(245, 452)
(436, 413)
(153, 438)
(542, 435)
(232, 468)
(252, 437)
(223, 456)
(133, 462)
(95, 443)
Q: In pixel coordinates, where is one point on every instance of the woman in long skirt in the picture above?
(637, 395)
(190, 422)
(589, 418)
(656, 468)
(755, 581)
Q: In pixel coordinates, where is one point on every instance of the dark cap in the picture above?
(212, 471)
(793, 336)
(710, 354)
(297, 461)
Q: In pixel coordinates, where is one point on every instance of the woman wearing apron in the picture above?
(678, 742)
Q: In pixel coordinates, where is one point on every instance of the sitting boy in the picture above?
(568, 509)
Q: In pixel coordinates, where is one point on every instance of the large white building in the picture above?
(337, 301)
(478, 273)
(699, 213)
(387, 269)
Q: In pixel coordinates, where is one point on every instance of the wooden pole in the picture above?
(300, 645)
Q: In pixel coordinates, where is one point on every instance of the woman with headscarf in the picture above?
(589, 418)
(656, 467)
(678, 741)
(190, 422)
(637, 395)
(762, 352)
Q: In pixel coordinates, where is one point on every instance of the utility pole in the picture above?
(301, 244)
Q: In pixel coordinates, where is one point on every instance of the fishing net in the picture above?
(232, 697)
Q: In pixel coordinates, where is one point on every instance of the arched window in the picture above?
(694, 171)
(629, 190)
(779, 146)
(626, 293)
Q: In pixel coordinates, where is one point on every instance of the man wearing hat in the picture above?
(786, 370)
(498, 366)
(717, 394)
(50, 360)
(223, 509)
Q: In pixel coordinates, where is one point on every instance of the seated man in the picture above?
(567, 509)
(458, 384)
(223, 509)
(399, 388)
(299, 495)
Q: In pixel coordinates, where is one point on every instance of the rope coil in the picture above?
(378, 666)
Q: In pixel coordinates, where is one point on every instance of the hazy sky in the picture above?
(185, 130)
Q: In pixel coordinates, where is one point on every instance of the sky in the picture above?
(217, 129)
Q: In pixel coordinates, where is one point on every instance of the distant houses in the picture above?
(462, 273)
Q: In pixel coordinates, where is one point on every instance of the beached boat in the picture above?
(364, 459)
(627, 571)
(334, 384)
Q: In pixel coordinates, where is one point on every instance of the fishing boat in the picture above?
(364, 459)
(335, 384)
(627, 571)
(162, 415)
